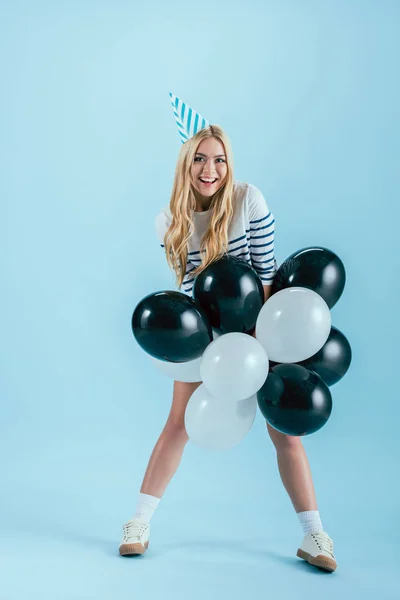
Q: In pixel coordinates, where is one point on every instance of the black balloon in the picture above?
(333, 360)
(231, 293)
(316, 268)
(294, 400)
(171, 326)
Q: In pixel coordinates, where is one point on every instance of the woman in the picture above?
(211, 214)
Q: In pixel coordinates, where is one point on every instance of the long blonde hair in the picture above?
(214, 243)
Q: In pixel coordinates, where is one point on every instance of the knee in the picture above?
(282, 440)
(175, 428)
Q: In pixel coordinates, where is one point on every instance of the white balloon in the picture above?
(185, 371)
(234, 365)
(293, 324)
(218, 423)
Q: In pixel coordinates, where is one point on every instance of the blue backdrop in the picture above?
(308, 93)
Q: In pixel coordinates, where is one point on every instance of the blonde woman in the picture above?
(211, 214)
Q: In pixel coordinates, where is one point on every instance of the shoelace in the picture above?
(323, 542)
(134, 529)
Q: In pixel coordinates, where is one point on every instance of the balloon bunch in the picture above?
(307, 354)
(225, 337)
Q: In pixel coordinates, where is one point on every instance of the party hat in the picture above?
(189, 122)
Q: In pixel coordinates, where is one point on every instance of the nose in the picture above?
(209, 172)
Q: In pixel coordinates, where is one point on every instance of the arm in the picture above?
(163, 221)
(261, 234)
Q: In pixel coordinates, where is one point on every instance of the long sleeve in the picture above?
(261, 235)
(188, 280)
(162, 224)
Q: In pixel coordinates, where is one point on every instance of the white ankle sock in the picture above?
(310, 521)
(145, 507)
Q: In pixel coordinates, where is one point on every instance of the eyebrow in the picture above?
(216, 156)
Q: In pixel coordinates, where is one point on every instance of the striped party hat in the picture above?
(189, 122)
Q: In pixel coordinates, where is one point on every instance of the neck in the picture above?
(202, 202)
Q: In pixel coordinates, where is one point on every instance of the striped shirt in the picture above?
(250, 234)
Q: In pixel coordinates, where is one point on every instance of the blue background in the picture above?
(308, 93)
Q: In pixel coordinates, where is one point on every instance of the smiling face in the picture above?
(209, 169)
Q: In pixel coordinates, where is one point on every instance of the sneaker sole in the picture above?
(133, 549)
(321, 561)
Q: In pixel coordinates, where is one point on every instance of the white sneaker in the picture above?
(135, 537)
(317, 549)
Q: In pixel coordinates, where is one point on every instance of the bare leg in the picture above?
(168, 450)
(294, 470)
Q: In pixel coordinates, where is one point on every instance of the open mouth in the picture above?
(207, 183)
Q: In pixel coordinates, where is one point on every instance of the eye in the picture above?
(201, 158)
